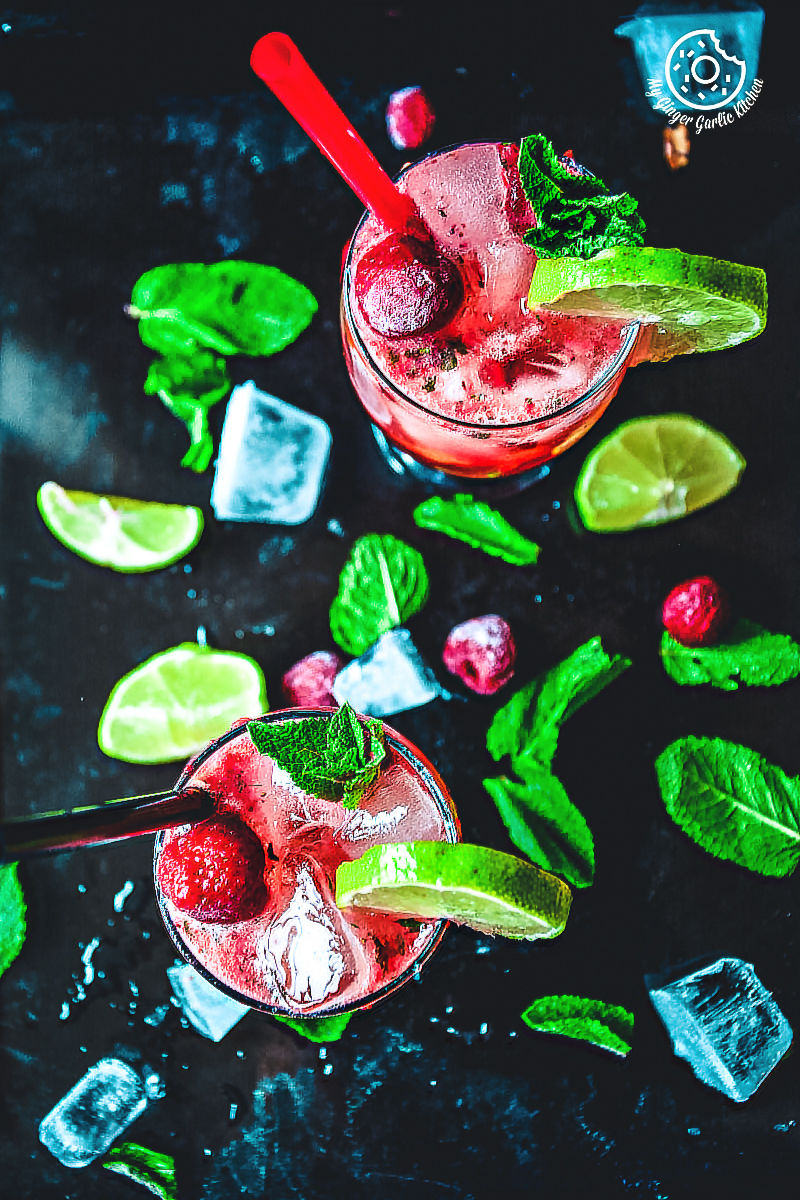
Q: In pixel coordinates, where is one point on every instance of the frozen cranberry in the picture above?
(309, 683)
(695, 612)
(409, 118)
(482, 653)
(405, 288)
(215, 871)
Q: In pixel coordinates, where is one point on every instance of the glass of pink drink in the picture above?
(499, 390)
(302, 956)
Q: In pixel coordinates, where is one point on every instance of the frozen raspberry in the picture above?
(481, 652)
(405, 288)
(215, 871)
(309, 683)
(409, 118)
(695, 611)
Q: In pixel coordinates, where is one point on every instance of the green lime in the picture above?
(113, 531)
(655, 469)
(473, 885)
(169, 706)
(697, 303)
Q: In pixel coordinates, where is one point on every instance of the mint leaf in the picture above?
(527, 726)
(318, 1029)
(334, 758)
(609, 1026)
(749, 654)
(12, 916)
(231, 307)
(478, 525)
(576, 215)
(732, 802)
(187, 388)
(381, 585)
(544, 823)
(153, 1170)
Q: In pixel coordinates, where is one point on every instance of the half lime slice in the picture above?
(696, 303)
(169, 706)
(655, 469)
(113, 531)
(472, 885)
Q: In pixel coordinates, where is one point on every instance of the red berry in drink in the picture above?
(409, 118)
(695, 612)
(309, 683)
(215, 871)
(405, 288)
(482, 653)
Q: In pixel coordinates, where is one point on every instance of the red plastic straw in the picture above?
(277, 61)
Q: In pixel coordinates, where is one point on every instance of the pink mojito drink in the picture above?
(302, 956)
(497, 389)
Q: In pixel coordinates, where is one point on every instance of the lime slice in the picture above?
(473, 885)
(697, 303)
(169, 706)
(126, 535)
(655, 469)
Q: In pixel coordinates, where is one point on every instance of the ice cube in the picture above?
(210, 1011)
(84, 1123)
(726, 1025)
(271, 461)
(388, 678)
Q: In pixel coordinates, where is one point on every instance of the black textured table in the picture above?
(130, 141)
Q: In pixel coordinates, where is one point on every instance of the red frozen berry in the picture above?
(409, 118)
(309, 683)
(215, 871)
(405, 288)
(482, 653)
(695, 611)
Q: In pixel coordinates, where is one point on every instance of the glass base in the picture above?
(406, 466)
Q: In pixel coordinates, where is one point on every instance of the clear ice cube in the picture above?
(271, 460)
(84, 1123)
(210, 1011)
(726, 1025)
(388, 678)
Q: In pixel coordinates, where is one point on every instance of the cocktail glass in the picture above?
(304, 957)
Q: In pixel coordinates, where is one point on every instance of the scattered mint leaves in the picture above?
(609, 1026)
(544, 823)
(335, 758)
(382, 584)
(749, 654)
(732, 802)
(478, 525)
(576, 215)
(187, 387)
(12, 916)
(318, 1029)
(153, 1170)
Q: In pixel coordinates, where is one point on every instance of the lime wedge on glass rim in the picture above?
(655, 469)
(169, 706)
(113, 531)
(472, 885)
(695, 302)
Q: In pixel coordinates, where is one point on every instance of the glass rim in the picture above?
(440, 794)
(614, 367)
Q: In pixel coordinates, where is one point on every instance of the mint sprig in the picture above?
(335, 758)
(188, 387)
(609, 1026)
(382, 584)
(544, 823)
(151, 1168)
(478, 525)
(732, 802)
(12, 916)
(318, 1029)
(576, 214)
(749, 654)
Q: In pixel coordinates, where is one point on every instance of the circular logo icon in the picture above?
(700, 74)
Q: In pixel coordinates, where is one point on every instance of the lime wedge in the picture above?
(696, 303)
(169, 706)
(113, 531)
(473, 885)
(655, 469)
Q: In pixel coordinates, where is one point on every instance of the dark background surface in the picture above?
(103, 110)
